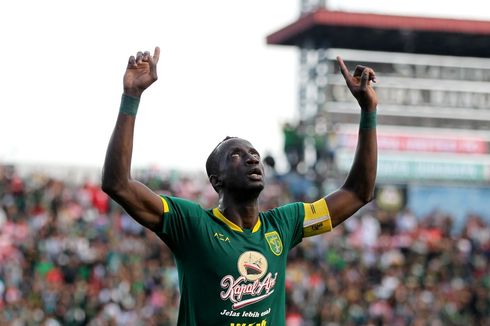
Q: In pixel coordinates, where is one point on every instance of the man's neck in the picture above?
(242, 213)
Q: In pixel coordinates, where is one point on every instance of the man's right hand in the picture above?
(141, 72)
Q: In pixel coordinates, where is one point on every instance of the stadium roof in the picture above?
(376, 32)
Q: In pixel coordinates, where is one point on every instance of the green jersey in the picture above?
(229, 276)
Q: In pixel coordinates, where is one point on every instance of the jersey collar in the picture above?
(217, 213)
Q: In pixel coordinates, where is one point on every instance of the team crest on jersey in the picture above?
(274, 241)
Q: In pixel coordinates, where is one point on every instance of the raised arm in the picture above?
(358, 188)
(140, 202)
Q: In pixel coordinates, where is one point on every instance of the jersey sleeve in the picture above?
(289, 221)
(180, 216)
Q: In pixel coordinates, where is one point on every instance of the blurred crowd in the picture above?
(71, 256)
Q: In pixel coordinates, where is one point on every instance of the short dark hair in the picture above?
(212, 163)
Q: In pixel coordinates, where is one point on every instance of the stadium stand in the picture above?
(70, 256)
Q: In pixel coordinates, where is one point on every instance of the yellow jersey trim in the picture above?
(317, 218)
(165, 205)
(257, 226)
(232, 225)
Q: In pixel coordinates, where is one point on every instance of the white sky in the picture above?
(63, 63)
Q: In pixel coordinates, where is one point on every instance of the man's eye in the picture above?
(235, 155)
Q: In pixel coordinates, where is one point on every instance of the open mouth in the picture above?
(255, 174)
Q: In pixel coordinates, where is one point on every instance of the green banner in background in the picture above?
(414, 167)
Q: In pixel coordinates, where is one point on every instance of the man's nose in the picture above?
(252, 159)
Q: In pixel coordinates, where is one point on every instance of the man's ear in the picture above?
(215, 181)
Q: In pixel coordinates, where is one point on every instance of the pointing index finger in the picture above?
(343, 69)
(156, 54)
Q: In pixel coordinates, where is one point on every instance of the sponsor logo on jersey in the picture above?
(252, 265)
(253, 284)
(275, 243)
(262, 323)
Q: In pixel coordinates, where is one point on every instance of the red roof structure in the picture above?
(392, 33)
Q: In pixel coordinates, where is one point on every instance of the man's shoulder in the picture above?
(184, 205)
(284, 210)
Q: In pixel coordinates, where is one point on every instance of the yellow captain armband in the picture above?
(165, 205)
(317, 218)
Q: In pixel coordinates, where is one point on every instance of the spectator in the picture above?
(67, 260)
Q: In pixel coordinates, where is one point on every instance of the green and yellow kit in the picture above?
(229, 276)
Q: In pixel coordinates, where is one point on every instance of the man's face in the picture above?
(240, 166)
